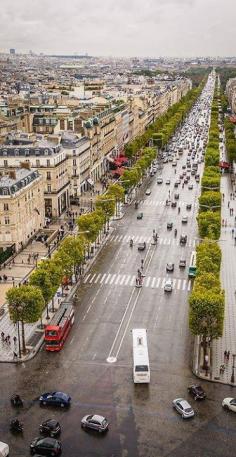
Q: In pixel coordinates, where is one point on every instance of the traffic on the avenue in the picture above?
(122, 383)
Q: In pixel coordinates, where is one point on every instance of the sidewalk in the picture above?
(228, 283)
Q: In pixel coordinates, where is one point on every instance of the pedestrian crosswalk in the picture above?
(163, 203)
(140, 239)
(129, 280)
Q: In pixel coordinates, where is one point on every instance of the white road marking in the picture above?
(127, 280)
(179, 284)
(122, 279)
(91, 279)
(107, 279)
(117, 279)
(97, 278)
(146, 283)
(163, 283)
(184, 284)
(153, 282)
(189, 284)
(158, 282)
(102, 279)
(87, 277)
(112, 278)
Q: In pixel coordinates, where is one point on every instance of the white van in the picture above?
(4, 449)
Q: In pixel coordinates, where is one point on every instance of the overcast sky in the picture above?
(120, 27)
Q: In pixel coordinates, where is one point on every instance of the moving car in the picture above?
(50, 427)
(4, 449)
(184, 219)
(159, 181)
(173, 204)
(141, 246)
(148, 192)
(139, 215)
(182, 263)
(95, 422)
(189, 206)
(170, 267)
(168, 181)
(176, 196)
(229, 404)
(183, 408)
(169, 225)
(197, 392)
(46, 446)
(183, 239)
(190, 187)
(168, 286)
(55, 399)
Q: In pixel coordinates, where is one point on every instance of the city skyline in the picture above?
(183, 28)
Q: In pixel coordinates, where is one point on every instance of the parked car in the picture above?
(168, 182)
(46, 446)
(159, 180)
(183, 408)
(55, 399)
(168, 286)
(229, 404)
(170, 267)
(189, 206)
(50, 427)
(173, 204)
(190, 187)
(95, 422)
(197, 392)
(169, 225)
(176, 196)
(182, 263)
(148, 191)
(184, 219)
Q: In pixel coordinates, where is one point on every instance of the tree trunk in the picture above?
(23, 337)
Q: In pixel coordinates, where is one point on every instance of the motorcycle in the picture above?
(16, 400)
(131, 243)
(175, 233)
(16, 426)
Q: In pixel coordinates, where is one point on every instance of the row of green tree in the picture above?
(163, 128)
(209, 217)
(230, 140)
(206, 301)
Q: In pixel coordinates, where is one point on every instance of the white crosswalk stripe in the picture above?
(106, 279)
(166, 241)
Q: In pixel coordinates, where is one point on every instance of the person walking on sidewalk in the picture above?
(225, 355)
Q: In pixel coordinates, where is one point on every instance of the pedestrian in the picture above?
(232, 231)
(2, 335)
(15, 355)
(223, 196)
(225, 222)
(231, 197)
(222, 369)
(225, 355)
(228, 204)
(14, 340)
(228, 355)
(235, 239)
(22, 261)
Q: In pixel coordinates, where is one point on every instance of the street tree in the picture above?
(71, 254)
(25, 305)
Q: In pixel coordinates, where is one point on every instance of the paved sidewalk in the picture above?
(228, 283)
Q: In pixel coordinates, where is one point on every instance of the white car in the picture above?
(229, 403)
(148, 192)
(4, 449)
(183, 408)
(184, 219)
(168, 285)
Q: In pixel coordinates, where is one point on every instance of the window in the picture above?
(37, 163)
(6, 207)
(48, 162)
(74, 162)
(5, 163)
(7, 220)
(49, 188)
(49, 175)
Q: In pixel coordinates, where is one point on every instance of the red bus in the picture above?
(56, 332)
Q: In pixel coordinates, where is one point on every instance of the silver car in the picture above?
(183, 408)
(95, 422)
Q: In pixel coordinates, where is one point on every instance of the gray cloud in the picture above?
(119, 27)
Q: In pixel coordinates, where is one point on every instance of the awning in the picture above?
(90, 182)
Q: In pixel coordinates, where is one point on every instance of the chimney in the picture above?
(25, 165)
(12, 174)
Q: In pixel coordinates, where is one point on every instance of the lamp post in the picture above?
(19, 309)
(232, 379)
(91, 204)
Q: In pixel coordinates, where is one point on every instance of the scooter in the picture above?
(16, 426)
(16, 400)
(131, 243)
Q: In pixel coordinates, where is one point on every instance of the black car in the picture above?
(173, 204)
(55, 399)
(183, 239)
(50, 427)
(169, 225)
(170, 267)
(188, 206)
(46, 446)
(197, 392)
(176, 196)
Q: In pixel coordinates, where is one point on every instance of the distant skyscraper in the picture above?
(12, 51)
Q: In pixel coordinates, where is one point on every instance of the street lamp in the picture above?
(91, 204)
(233, 366)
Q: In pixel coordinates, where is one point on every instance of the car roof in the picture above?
(184, 403)
(98, 418)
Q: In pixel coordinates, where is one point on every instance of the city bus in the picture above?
(141, 367)
(57, 331)
(192, 271)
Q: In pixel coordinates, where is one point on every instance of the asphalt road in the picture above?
(95, 366)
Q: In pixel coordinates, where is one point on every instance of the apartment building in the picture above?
(78, 151)
(51, 162)
(231, 93)
(22, 211)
